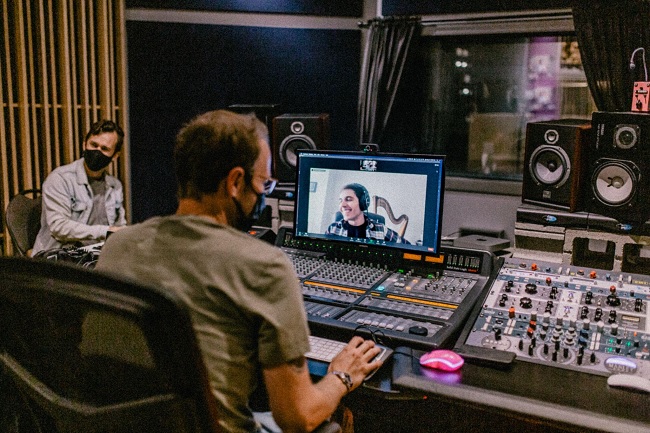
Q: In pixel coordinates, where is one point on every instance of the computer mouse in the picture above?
(441, 359)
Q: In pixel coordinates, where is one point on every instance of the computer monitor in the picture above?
(399, 195)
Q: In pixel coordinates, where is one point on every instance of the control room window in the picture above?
(482, 91)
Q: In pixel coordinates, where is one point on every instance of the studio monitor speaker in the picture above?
(264, 112)
(619, 164)
(297, 131)
(555, 163)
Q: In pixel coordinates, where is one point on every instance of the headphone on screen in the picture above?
(362, 194)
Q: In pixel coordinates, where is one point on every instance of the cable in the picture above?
(633, 65)
(377, 335)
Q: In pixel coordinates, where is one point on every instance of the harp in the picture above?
(401, 222)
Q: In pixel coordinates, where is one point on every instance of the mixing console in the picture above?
(581, 319)
(417, 301)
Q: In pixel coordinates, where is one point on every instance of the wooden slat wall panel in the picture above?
(6, 95)
(46, 140)
(63, 66)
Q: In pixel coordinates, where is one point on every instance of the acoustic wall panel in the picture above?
(177, 71)
(349, 8)
(425, 7)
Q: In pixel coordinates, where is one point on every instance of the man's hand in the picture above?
(356, 360)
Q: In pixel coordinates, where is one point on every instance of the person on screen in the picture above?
(354, 201)
(242, 293)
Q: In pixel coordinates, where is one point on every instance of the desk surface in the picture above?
(542, 394)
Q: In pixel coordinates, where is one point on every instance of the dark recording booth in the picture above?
(464, 185)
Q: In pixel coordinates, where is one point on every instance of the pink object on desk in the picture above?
(442, 360)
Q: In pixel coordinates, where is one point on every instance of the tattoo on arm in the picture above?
(298, 364)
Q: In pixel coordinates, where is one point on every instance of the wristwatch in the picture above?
(345, 378)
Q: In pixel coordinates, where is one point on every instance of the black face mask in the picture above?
(96, 160)
(245, 222)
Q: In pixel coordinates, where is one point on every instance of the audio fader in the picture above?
(420, 303)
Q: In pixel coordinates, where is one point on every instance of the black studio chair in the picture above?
(81, 352)
(23, 218)
(84, 352)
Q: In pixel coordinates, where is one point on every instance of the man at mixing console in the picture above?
(243, 294)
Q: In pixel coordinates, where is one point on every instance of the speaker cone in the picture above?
(615, 182)
(626, 136)
(292, 143)
(550, 165)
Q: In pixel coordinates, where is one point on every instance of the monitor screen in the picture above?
(391, 200)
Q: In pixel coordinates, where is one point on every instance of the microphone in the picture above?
(633, 65)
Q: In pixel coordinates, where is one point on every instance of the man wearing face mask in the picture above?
(81, 202)
(242, 293)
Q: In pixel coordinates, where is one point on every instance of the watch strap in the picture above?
(345, 378)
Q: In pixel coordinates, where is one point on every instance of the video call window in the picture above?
(390, 200)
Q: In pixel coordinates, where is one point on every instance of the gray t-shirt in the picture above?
(243, 295)
(98, 212)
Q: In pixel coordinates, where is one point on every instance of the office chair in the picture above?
(23, 218)
(84, 352)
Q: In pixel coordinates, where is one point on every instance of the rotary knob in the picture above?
(612, 316)
(526, 303)
(638, 304)
(531, 288)
(549, 307)
(613, 300)
(598, 314)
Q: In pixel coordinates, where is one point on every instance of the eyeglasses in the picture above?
(269, 184)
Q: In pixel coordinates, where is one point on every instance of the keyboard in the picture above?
(324, 350)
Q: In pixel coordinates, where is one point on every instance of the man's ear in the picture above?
(235, 181)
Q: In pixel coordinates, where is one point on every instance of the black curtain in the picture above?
(608, 32)
(385, 59)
